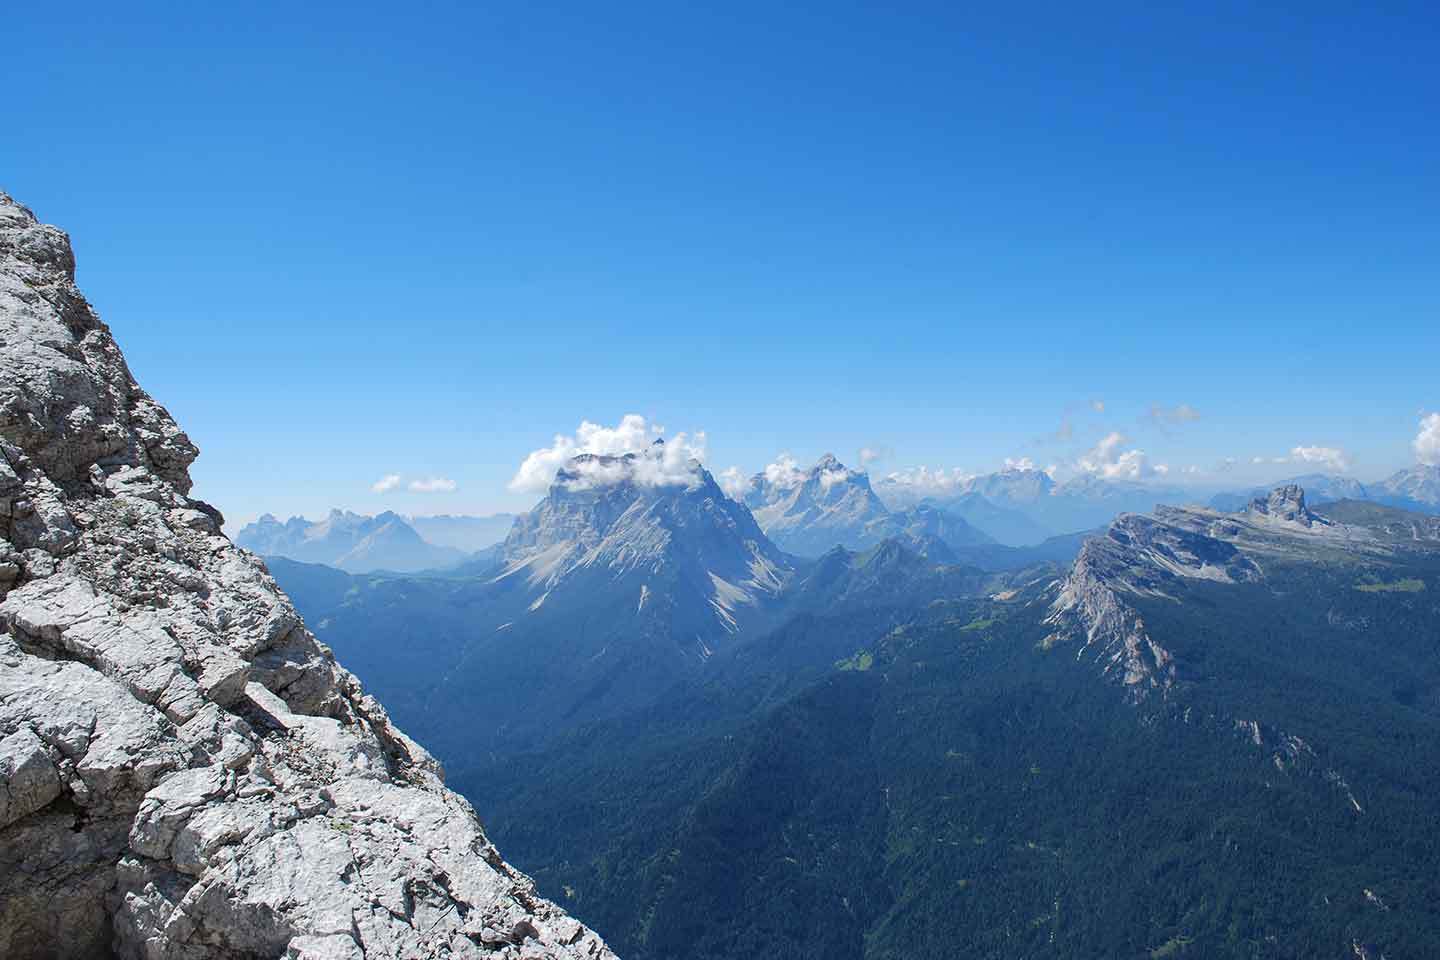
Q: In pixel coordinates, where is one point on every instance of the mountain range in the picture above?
(613, 587)
(1191, 732)
(891, 743)
(830, 505)
(1022, 506)
(632, 575)
(1416, 488)
(361, 544)
(1229, 716)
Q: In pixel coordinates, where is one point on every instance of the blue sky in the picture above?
(354, 240)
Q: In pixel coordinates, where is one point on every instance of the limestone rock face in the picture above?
(1155, 556)
(185, 772)
(1285, 503)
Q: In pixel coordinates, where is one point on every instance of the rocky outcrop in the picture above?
(1286, 504)
(185, 772)
(1090, 610)
(1155, 556)
(1142, 556)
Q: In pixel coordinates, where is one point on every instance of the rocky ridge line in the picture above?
(185, 772)
(1151, 556)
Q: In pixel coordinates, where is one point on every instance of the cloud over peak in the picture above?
(734, 482)
(386, 483)
(784, 472)
(923, 481)
(667, 464)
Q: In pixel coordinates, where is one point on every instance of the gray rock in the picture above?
(185, 772)
(28, 779)
(1285, 503)
(1155, 555)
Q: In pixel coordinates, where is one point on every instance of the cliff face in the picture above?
(185, 772)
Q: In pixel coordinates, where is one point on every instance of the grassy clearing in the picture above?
(1407, 585)
(862, 660)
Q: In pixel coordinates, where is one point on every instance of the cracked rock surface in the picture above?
(185, 772)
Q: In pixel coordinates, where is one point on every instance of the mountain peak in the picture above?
(623, 514)
(1284, 503)
(1415, 487)
(656, 466)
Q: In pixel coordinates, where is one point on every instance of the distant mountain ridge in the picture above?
(1415, 488)
(632, 573)
(808, 513)
(1230, 716)
(1319, 488)
(348, 541)
(832, 505)
(1023, 506)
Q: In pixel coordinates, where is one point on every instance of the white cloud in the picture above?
(671, 463)
(784, 472)
(833, 474)
(386, 483)
(1427, 441)
(923, 481)
(1019, 463)
(1106, 459)
(1097, 405)
(869, 455)
(432, 485)
(1330, 457)
(734, 482)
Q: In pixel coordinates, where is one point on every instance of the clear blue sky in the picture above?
(341, 241)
